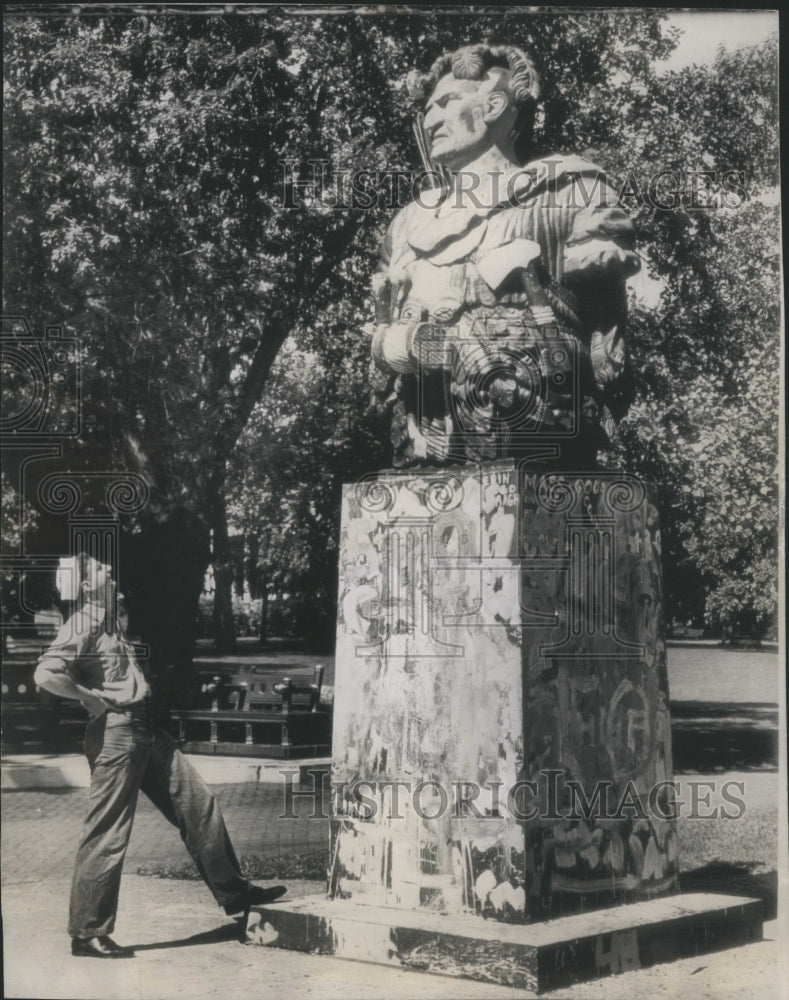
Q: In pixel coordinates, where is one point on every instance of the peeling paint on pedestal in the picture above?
(495, 625)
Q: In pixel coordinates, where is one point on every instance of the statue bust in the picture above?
(500, 297)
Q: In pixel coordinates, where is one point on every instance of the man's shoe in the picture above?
(98, 947)
(255, 895)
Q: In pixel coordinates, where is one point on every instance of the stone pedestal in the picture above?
(502, 746)
(501, 671)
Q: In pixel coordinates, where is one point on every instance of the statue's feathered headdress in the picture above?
(472, 63)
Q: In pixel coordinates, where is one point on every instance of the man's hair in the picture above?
(473, 62)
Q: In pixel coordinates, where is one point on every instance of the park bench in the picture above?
(256, 711)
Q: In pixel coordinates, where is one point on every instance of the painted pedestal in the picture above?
(502, 744)
(501, 672)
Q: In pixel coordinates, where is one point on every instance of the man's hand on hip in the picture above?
(95, 706)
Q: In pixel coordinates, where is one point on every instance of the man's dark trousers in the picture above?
(127, 753)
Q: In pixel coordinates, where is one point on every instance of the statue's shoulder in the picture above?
(551, 171)
(405, 218)
(409, 221)
(568, 164)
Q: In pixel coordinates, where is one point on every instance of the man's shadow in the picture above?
(227, 932)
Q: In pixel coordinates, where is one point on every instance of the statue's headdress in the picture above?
(473, 63)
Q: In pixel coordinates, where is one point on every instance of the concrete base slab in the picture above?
(528, 956)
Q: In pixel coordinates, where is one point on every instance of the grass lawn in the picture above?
(736, 857)
(715, 674)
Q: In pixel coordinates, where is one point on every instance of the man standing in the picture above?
(92, 662)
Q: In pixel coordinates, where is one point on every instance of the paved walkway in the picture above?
(187, 949)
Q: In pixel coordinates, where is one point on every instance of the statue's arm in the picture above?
(601, 240)
(599, 256)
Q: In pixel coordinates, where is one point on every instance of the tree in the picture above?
(313, 431)
(145, 202)
(15, 520)
(705, 423)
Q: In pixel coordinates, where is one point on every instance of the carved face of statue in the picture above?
(458, 119)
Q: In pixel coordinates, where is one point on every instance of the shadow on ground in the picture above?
(724, 736)
(227, 932)
(735, 879)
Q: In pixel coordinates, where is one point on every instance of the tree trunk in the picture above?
(162, 570)
(224, 627)
(263, 610)
(252, 570)
(257, 576)
(238, 570)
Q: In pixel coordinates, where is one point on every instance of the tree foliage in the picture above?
(705, 423)
(312, 432)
